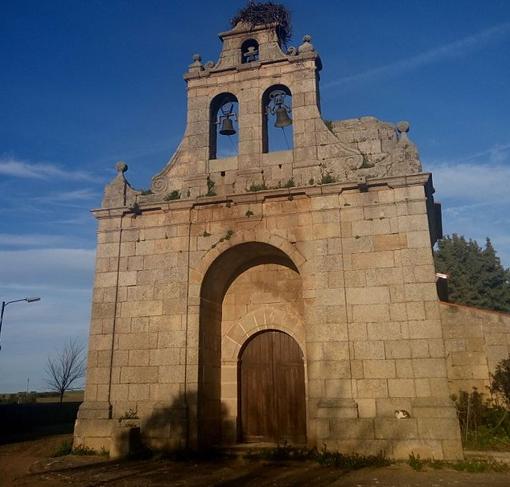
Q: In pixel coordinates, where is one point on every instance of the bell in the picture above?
(282, 118)
(227, 127)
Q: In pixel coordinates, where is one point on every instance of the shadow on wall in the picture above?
(167, 429)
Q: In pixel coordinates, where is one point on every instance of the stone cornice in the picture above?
(363, 185)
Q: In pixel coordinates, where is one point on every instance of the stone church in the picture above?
(264, 296)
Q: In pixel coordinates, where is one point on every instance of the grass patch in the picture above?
(65, 448)
(415, 462)
(469, 465)
(480, 466)
(85, 451)
(322, 457)
(487, 439)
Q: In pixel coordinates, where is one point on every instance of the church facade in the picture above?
(271, 295)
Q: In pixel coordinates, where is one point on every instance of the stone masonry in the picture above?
(329, 242)
(476, 340)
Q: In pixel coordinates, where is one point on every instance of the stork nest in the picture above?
(256, 13)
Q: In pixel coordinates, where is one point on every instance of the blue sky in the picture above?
(86, 83)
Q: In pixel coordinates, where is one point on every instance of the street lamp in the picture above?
(31, 299)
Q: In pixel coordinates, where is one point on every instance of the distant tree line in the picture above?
(476, 276)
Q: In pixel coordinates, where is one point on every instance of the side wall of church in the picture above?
(475, 341)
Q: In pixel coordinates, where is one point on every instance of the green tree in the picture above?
(475, 275)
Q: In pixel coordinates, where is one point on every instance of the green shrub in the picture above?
(484, 424)
(500, 381)
(210, 187)
(84, 450)
(415, 462)
(65, 448)
(257, 187)
(173, 195)
(327, 179)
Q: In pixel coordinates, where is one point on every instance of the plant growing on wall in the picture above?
(210, 187)
(173, 195)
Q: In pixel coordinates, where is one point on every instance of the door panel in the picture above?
(272, 389)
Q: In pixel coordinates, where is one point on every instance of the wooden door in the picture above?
(272, 389)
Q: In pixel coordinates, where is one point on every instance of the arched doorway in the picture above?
(272, 389)
(217, 401)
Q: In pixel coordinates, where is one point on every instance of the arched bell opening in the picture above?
(277, 132)
(217, 409)
(224, 126)
(249, 51)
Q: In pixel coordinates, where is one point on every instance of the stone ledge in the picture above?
(95, 410)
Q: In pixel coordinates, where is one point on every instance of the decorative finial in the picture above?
(402, 130)
(196, 65)
(307, 45)
(121, 167)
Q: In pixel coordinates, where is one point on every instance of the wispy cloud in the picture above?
(496, 154)
(469, 182)
(38, 240)
(65, 196)
(63, 268)
(10, 166)
(474, 180)
(454, 49)
(474, 189)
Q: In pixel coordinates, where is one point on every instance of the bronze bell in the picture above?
(282, 117)
(227, 127)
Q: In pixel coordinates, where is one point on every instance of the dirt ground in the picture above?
(28, 463)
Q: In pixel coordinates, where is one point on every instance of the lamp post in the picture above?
(5, 303)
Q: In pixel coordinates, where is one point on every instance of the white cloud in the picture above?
(474, 190)
(76, 195)
(10, 166)
(472, 183)
(57, 268)
(38, 240)
(451, 50)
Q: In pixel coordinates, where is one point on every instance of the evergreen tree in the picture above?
(475, 275)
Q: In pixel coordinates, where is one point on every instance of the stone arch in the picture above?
(209, 283)
(249, 51)
(218, 108)
(261, 235)
(273, 139)
(264, 318)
